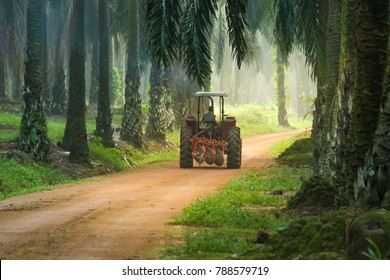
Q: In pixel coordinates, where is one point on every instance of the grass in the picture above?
(159, 157)
(255, 120)
(17, 179)
(111, 157)
(226, 223)
(11, 119)
(8, 134)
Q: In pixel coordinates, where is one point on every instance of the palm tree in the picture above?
(374, 177)
(160, 111)
(329, 96)
(131, 122)
(75, 136)
(104, 116)
(13, 38)
(372, 51)
(61, 12)
(3, 71)
(47, 96)
(281, 90)
(92, 43)
(33, 129)
(346, 94)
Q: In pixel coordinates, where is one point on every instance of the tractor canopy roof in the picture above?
(211, 94)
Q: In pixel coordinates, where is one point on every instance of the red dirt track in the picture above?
(121, 216)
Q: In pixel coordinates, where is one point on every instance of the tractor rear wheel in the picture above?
(234, 148)
(186, 160)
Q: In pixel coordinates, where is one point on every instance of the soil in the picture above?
(118, 216)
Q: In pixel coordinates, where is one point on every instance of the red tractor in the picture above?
(206, 138)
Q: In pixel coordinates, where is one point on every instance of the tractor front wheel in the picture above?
(234, 148)
(186, 160)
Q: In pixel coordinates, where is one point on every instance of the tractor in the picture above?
(210, 140)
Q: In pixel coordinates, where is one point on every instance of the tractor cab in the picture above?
(214, 102)
(201, 125)
(210, 135)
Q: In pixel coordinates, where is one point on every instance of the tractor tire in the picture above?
(186, 160)
(234, 148)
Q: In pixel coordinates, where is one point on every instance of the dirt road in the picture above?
(121, 216)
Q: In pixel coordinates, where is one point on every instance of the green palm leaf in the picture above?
(311, 32)
(195, 28)
(284, 32)
(237, 24)
(162, 25)
(220, 41)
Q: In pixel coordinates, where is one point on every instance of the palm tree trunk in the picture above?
(75, 137)
(280, 75)
(47, 96)
(346, 89)
(328, 95)
(33, 129)
(60, 94)
(93, 42)
(3, 73)
(159, 116)
(375, 189)
(372, 37)
(131, 122)
(154, 129)
(104, 116)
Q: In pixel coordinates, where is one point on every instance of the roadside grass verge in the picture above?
(226, 225)
(17, 179)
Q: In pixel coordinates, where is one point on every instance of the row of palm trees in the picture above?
(71, 44)
(345, 42)
(76, 33)
(351, 64)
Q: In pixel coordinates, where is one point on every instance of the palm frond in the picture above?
(258, 15)
(195, 29)
(254, 51)
(162, 25)
(145, 60)
(311, 36)
(285, 32)
(237, 23)
(220, 30)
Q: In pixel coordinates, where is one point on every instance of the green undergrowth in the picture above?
(16, 179)
(225, 224)
(320, 237)
(282, 212)
(112, 158)
(255, 120)
(55, 126)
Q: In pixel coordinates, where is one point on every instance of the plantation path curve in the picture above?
(120, 216)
